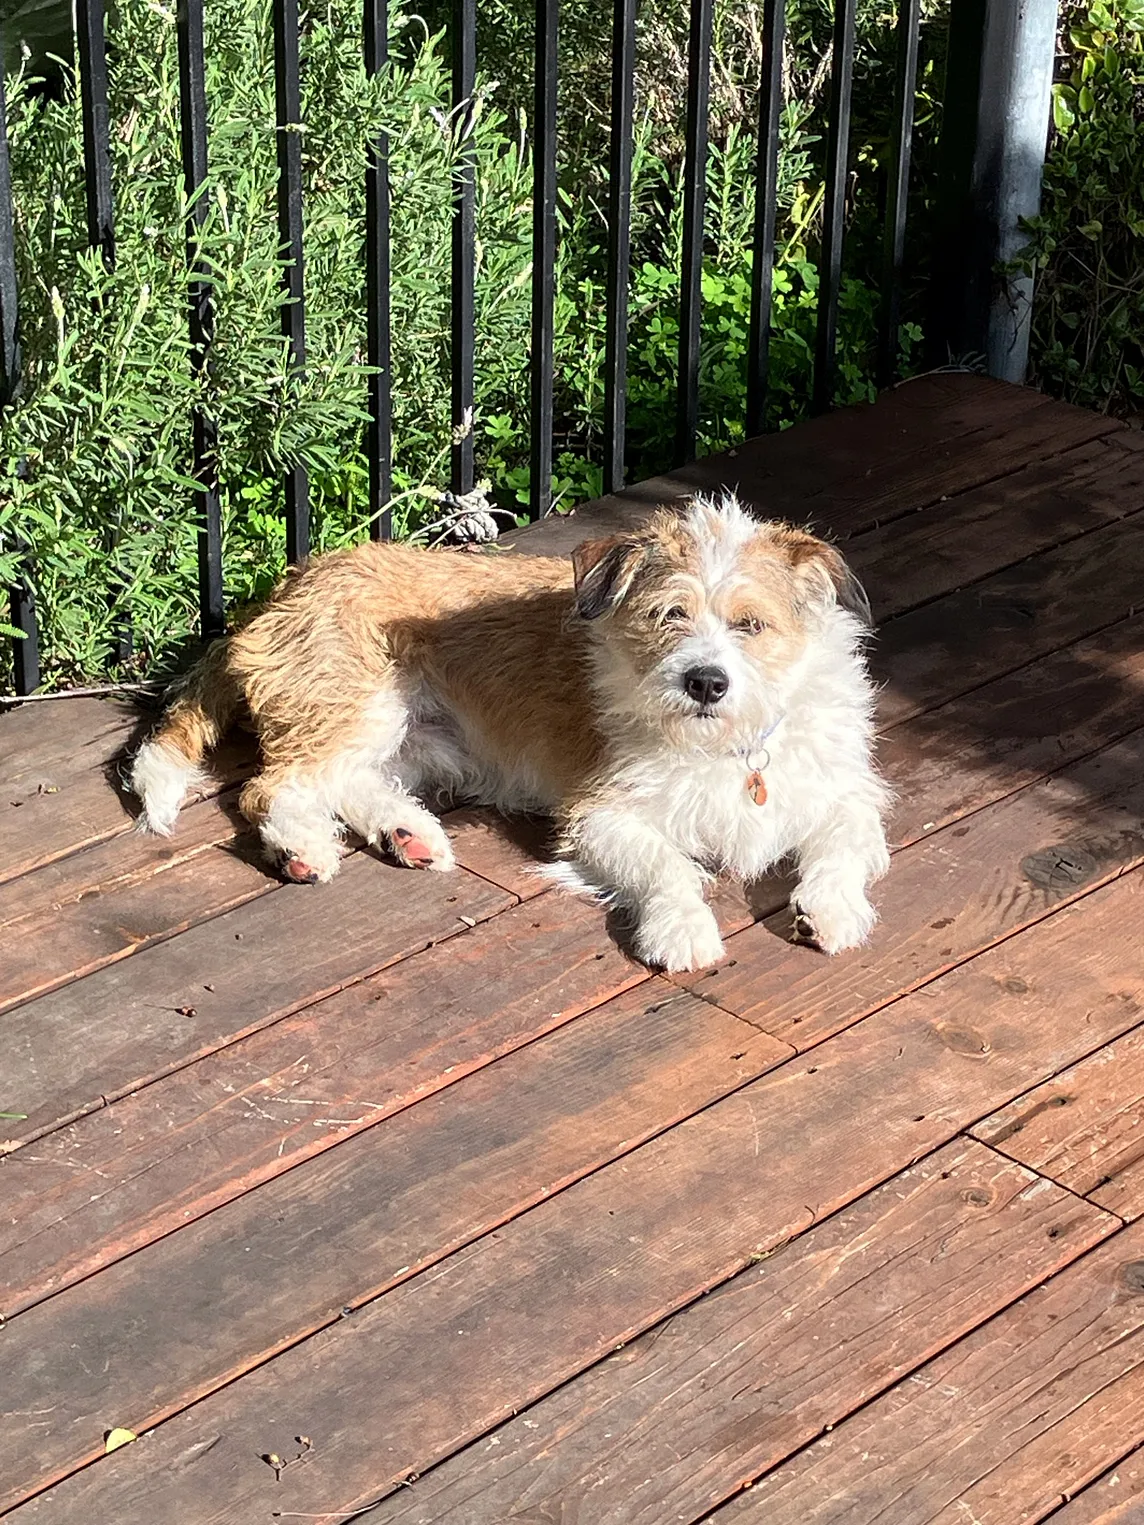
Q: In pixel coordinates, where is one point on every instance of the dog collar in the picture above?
(757, 758)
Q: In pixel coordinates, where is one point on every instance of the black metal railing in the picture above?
(201, 446)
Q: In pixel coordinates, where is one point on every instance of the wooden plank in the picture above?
(846, 471)
(946, 897)
(676, 1422)
(998, 1430)
(503, 850)
(1116, 1499)
(442, 1358)
(970, 536)
(89, 806)
(190, 881)
(212, 1131)
(956, 643)
(282, 1262)
(42, 743)
(967, 753)
(125, 859)
(127, 1023)
(91, 908)
(1084, 1128)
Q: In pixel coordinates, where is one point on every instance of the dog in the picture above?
(685, 699)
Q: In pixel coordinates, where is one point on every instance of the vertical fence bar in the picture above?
(200, 313)
(897, 189)
(543, 255)
(766, 204)
(834, 214)
(288, 114)
(464, 244)
(26, 652)
(694, 200)
(22, 609)
(9, 326)
(619, 241)
(379, 430)
(92, 41)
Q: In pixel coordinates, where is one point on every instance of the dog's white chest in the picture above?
(729, 812)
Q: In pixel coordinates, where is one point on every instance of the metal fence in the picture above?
(970, 21)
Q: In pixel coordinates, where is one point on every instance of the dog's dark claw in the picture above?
(803, 930)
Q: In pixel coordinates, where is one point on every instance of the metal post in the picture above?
(994, 135)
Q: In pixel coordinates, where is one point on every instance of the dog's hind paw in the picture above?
(298, 872)
(425, 847)
(677, 936)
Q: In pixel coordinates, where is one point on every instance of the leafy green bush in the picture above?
(1085, 247)
(95, 452)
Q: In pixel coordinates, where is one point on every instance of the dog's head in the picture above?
(701, 618)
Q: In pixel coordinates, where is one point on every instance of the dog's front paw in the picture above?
(833, 920)
(677, 935)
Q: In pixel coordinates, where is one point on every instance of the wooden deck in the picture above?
(422, 1170)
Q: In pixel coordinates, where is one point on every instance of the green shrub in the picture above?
(1086, 246)
(95, 453)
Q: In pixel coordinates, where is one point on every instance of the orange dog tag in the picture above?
(756, 787)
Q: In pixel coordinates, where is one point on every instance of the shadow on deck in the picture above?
(399, 1200)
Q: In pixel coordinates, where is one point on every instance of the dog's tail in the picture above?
(168, 765)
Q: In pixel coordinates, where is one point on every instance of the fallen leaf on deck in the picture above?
(116, 1438)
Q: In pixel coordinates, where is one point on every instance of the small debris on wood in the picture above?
(272, 1459)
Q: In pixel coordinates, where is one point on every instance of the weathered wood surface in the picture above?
(444, 1357)
(1115, 1499)
(213, 1130)
(1000, 1429)
(1084, 1128)
(674, 1423)
(131, 1022)
(338, 1231)
(385, 1163)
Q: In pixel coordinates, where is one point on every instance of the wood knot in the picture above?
(1132, 1275)
(1061, 867)
(977, 1196)
(964, 1040)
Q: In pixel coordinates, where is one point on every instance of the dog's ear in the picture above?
(826, 575)
(604, 570)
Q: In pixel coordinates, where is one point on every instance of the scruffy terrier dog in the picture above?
(685, 698)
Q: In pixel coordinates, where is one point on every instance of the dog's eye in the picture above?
(750, 624)
(674, 615)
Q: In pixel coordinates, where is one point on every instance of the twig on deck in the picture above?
(85, 693)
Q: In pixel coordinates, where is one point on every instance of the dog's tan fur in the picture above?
(511, 679)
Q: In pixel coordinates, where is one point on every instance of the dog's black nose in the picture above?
(706, 685)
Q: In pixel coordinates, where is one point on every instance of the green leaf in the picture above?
(1064, 99)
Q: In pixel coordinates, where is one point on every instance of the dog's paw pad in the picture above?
(298, 872)
(414, 851)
